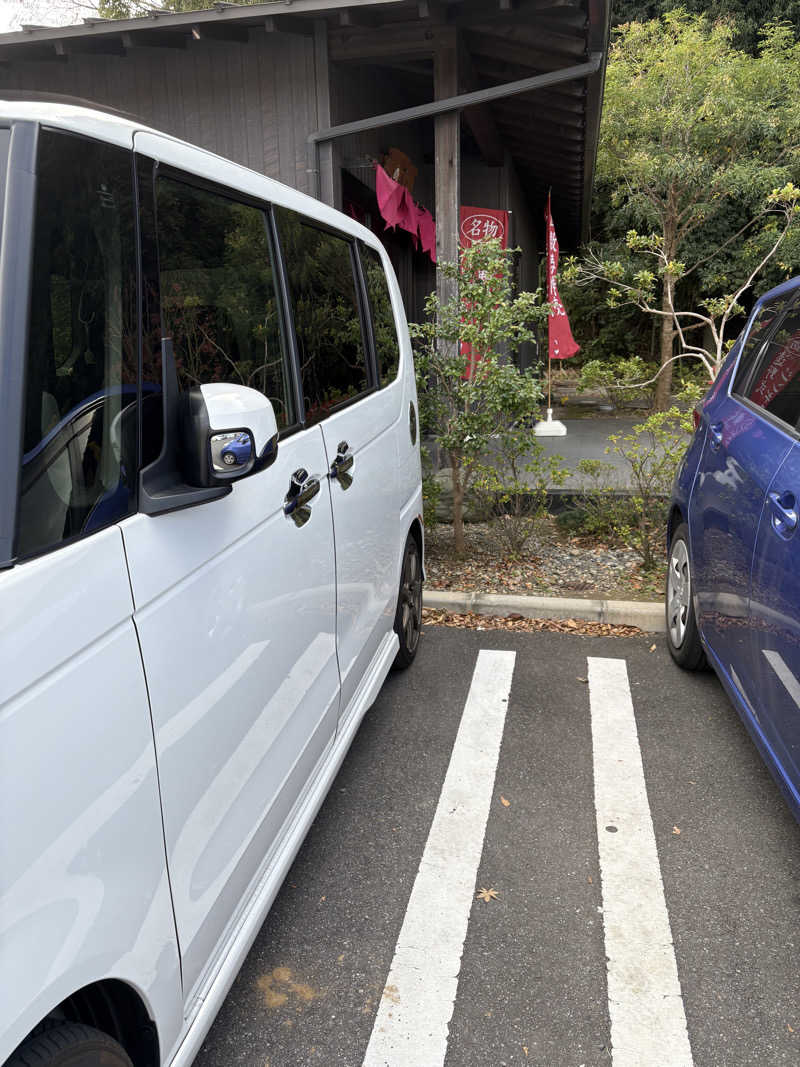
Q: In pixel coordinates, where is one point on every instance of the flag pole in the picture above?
(549, 427)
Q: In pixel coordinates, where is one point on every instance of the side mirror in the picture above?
(229, 431)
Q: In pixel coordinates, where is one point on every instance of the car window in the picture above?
(775, 383)
(384, 331)
(219, 300)
(80, 428)
(763, 322)
(324, 298)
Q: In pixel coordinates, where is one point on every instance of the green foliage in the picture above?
(636, 517)
(469, 406)
(514, 484)
(126, 9)
(698, 165)
(619, 379)
(431, 490)
(748, 16)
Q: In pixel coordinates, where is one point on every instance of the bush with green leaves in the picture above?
(514, 483)
(618, 379)
(635, 515)
(471, 394)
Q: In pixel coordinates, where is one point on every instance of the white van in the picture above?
(211, 551)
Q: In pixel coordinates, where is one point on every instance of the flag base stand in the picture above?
(550, 427)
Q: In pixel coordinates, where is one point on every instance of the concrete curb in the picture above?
(647, 615)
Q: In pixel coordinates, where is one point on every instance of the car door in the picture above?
(774, 630)
(742, 452)
(359, 422)
(84, 892)
(235, 600)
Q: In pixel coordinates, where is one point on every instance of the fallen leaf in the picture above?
(486, 895)
(675, 830)
(571, 623)
(584, 680)
(791, 1031)
(504, 802)
(590, 880)
(652, 648)
(525, 1049)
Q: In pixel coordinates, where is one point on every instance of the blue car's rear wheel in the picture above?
(683, 639)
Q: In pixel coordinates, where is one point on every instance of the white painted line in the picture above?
(413, 1018)
(648, 1022)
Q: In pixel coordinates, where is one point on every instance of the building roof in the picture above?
(550, 133)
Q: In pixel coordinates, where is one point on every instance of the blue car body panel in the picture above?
(734, 488)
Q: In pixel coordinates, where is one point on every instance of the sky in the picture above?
(13, 13)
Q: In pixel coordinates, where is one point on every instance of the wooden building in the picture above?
(493, 102)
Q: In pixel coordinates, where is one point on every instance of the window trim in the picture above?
(16, 274)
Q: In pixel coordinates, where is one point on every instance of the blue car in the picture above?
(237, 451)
(733, 579)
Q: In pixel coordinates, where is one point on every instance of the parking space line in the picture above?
(648, 1022)
(413, 1019)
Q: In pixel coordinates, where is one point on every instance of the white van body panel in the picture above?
(225, 622)
(83, 881)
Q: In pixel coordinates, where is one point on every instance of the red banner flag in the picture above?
(479, 224)
(562, 344)
(482, 223)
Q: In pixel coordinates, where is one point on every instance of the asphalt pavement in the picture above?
(533, 984)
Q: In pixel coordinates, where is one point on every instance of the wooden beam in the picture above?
(155, 39)
(533, 60)
(569, 46)
(432, 10)
(479, 119)
(289, 24)
(349, 17)
(210, 31)
(412, 41)
(447, 176)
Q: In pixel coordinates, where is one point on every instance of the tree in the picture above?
(749, 16)
(699, 147)
(471, 395)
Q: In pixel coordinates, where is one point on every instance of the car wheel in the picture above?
(70, 1045)
(229, 459)
(683, 638)
(408, 616)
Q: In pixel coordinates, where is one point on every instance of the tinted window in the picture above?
(324, 299)
(762, 324)
(775, 385)
(387, 347)
(219, 302)
(80, 437)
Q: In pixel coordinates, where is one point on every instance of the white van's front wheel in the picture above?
(408, 616)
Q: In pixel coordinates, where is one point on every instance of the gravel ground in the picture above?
(551, 565)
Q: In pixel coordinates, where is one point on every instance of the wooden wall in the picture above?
(254, 103)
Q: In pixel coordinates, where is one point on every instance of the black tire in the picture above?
(408, 616)
(683, 639)
(70, 1045)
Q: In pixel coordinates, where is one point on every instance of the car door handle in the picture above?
(784, 512)
(715, 433)
(302, 489)
(343, 462)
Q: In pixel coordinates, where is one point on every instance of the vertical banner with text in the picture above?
(480, 224)
(561, 343)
